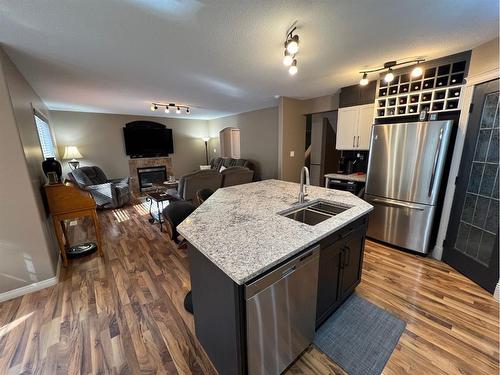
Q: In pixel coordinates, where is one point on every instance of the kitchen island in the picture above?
(243, 234)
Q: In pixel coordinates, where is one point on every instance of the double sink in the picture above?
(315, 212)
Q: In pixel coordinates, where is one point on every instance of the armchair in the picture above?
(107, 193)
(190, 183)
(236, 176)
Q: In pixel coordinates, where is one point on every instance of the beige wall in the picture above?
(321, 104)
(99, 138)
(258, 138)
(27, 246)
(292, 137)
(484, 58)
(292, 131)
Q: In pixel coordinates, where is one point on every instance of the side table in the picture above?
(158, 198)
(67, 201)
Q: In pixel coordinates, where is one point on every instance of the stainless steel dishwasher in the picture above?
(281, 313)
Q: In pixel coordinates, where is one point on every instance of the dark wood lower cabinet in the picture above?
(340, 266)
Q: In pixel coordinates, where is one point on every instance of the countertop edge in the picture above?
(280, 260)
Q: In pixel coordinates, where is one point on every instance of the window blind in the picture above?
(45, 137)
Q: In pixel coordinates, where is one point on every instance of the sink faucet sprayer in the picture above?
(303, 188)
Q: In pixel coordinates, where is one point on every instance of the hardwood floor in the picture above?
(124, 313)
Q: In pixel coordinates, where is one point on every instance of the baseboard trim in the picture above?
(496, 295)
(32, 287)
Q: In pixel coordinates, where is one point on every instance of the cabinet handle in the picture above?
(358, 142)
(348, 256)
(353, 141)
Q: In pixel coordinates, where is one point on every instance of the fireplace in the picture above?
(149, 176)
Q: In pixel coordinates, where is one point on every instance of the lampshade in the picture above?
(71, 152)
(206, 139)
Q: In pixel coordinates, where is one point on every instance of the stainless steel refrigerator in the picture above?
(405, 170)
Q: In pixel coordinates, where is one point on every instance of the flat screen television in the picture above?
(148, 142)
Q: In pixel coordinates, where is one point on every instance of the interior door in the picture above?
(471, 244)
(347, 128)
(365, 122)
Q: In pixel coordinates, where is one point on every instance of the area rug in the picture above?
(360, 337)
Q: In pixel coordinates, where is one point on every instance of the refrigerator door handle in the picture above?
(397, 204)
(436, 159)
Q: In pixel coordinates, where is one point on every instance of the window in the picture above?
(45, 137)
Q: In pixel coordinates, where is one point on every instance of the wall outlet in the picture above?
(292, 154)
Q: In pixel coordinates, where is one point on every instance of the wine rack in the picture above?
(438, 89)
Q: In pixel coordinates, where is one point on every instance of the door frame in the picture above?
(467, 96)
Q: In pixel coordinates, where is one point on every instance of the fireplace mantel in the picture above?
(133, 164)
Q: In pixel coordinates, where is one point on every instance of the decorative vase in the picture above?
(52, 165)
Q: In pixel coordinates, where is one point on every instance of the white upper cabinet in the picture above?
(347, 125)
(365, 123)
(354, 127)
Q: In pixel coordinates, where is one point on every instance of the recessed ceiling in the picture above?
(222, 57)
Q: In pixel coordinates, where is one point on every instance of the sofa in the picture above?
(107, 193)
(190, 183)
(217, 163)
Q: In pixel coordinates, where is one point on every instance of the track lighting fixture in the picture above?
(364, 80)
(292, 70)
(292, 44)
(291, 49)
(417, 71)
(288, 59)
(178, 108)
(389, 76)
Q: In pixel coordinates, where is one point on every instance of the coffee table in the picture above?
(158, 198)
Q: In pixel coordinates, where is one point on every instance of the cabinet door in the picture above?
(365, 122)
(330, 260)
(352, 266)
(347, 128)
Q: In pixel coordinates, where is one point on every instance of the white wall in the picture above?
(27, 247)
(99, 138)
(258, 138)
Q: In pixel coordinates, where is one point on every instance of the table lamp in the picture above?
(71, 152)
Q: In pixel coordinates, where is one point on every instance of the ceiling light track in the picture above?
(389, 76)
(291, 50)
(171, 106)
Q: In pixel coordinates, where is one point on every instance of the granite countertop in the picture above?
(347, 177)
(239, 229)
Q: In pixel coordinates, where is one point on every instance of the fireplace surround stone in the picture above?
(134, 164)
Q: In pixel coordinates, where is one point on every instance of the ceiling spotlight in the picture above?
(288, 59)
(167, 109)
(154, 107)
(364, 80)
(178, 110)
(417, 71)
(292, 45)
(389, 77)
(293, 68)
(188, 110)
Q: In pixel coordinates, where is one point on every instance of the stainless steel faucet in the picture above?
(303, 188)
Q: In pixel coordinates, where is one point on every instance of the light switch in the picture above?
(292, 154)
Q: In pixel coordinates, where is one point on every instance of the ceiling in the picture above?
(222, 56)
